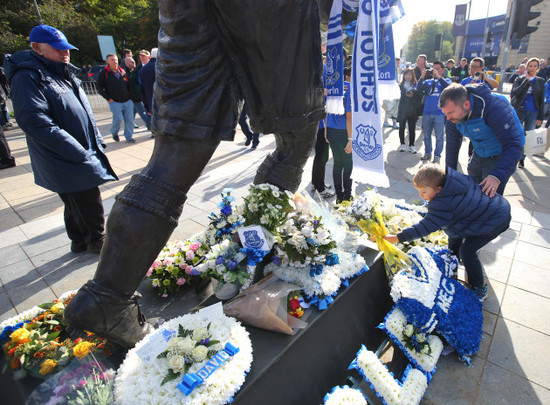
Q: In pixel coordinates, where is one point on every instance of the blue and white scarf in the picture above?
(334, 78)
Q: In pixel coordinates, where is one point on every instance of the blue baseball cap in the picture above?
(52, 36)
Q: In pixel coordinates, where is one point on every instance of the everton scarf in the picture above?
(334, 78)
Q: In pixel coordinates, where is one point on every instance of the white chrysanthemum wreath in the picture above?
(138, 382)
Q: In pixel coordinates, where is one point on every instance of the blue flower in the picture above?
(315, 269)
(232, 264)
(220, 260)
(226, 210)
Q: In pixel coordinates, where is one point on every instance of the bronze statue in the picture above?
(212, 54)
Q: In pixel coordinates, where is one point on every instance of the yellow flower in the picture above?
(47, 366)
(82, 349)
(57, 308)
(19, 335)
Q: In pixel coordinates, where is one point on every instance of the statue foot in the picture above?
(108, 314)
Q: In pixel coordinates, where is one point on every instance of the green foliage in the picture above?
(170, 375)
(133, 25)
(422, 41)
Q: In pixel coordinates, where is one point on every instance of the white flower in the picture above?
(155, 282)
(421, 337)
(186, 345)
(199, 353)
(176, 363)
(276, 194)
(289, 195)
(201, 268)
(264, 219)
(200, 333)
(409, 330)
(264, 186)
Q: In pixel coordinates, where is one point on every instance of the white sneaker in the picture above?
(412, 149)
(402, 148)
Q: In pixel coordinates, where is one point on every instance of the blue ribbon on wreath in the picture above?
(254, 255)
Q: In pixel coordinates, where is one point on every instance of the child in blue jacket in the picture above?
(457, 205)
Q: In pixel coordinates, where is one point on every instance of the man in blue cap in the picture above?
(65, 146)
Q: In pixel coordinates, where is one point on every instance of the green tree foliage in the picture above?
(422, 40)
(133, 24)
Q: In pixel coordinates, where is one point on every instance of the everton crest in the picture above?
(365, 143)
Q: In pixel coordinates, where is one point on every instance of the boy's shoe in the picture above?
(480, 293)
(426, 157)
(327, 193)
(412, 149)
(402, 148)
(436, 159)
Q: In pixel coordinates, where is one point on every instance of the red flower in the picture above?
(294, 304)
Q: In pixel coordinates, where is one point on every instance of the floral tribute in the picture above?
(296, 304)
(225, 224)
(409, 391)
(142, 382)
(395, 215)
(83, 383)
(39, 345)
(225, 262)
(433, 301)
(176, 266)
(268, 206)
(344, 396)
(422, 350)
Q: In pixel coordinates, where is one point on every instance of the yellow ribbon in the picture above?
(395, 259)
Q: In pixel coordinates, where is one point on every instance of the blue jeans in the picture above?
(437, 124)
(479, 168)
(466, 249)
(139, 108)
(122, 111)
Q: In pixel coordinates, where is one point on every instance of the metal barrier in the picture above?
(97, 102)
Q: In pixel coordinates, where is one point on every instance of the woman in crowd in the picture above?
(527, 98)
(408, 105)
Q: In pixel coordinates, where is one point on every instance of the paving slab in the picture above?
(18, 274)
(496, 267)
(527, 309)
(532, 254)
(501, 386)
(6, 307)
(530, 278)
(519, 349)
(495, 292)
(541, 219)
(29, 295)
(535, 235)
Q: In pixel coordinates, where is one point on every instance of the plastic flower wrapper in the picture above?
(395, 260)
(176, 265)
(264, 305)
(267, 205)
(88, 381)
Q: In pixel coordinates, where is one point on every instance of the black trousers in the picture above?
(5, 153)
(320, 161)
(411, 121)
(343, 163)
(84, 219)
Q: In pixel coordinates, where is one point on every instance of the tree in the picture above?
(422, 40)
(133, 25)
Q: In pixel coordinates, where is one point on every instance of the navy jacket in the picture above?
(147, 80)
(497, 113)
(461, 209)
(64, 143)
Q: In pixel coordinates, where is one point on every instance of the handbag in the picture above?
(536, 142)
(519, 95)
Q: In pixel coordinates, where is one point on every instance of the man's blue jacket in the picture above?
(64, 143)
(461, 209)
(502, 132)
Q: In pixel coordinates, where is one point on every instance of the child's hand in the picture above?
(391, 238)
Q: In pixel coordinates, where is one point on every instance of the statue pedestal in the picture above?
(298, 369)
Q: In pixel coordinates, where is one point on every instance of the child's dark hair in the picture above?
(430, 175)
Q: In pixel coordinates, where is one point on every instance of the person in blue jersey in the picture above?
(457, 204)
(494, 129)
(433, 118)
(338, 135)
(478, 76)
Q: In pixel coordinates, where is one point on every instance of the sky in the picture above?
(440, 10)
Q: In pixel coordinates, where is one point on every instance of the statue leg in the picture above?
(283, 168)
(139, 225)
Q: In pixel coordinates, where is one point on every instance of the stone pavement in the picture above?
(36, 264)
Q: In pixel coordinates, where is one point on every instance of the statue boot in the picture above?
(144, 216)
(284, 167)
